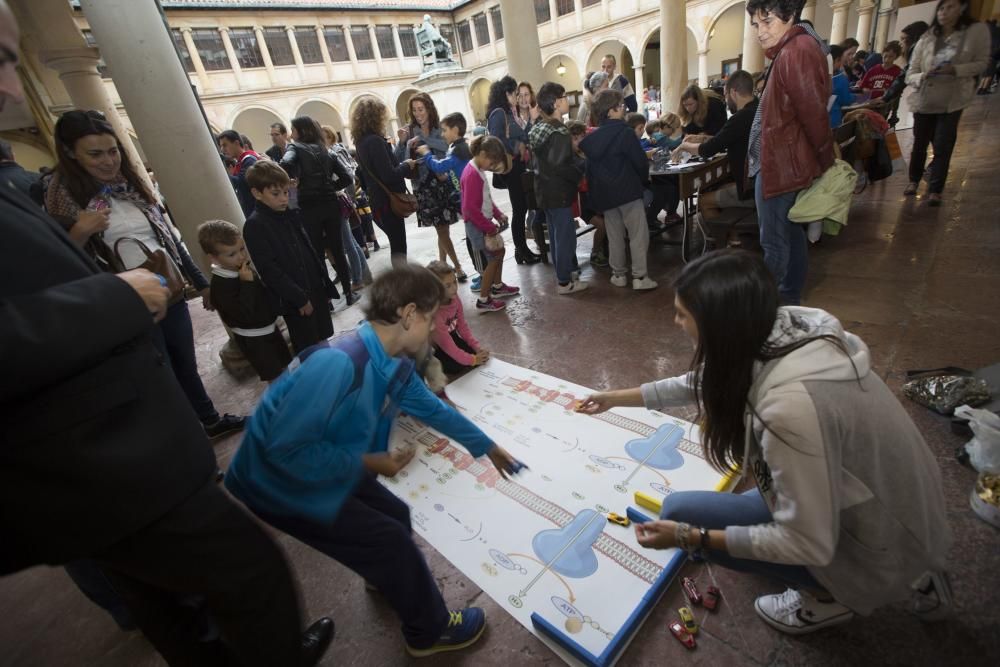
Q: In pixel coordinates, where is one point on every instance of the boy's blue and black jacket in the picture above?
(617, 167)
(453, 163)
(301, 453)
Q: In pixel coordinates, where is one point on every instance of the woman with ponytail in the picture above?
(847, 509)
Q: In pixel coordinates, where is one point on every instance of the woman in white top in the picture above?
(944, 71)
(96, 194)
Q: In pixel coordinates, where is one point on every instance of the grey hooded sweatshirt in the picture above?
(853, 489)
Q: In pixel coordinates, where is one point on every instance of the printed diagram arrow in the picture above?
(572, 598)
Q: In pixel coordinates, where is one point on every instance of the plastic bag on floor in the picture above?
(984, 448)
(943, 393)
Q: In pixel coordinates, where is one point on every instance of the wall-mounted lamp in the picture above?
(560, 68)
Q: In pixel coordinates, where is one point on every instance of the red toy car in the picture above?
(711, 598)
(683, 636)
(687, 583)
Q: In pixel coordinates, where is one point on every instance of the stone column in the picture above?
(398, 43)
(375, 49)
(325, 52)
(703, 68)
(296, 54)
(673, 52)
(265, 54)
(524, 60)
(227, 43)
(351, 53)
(808, 11)
(199, 66)
(174, 134)
(882, 28)
(78, 72)
(838, 31)
(753, 54)
(553, 17)
(639, 82)
(865, 11)
(492, 34)
(578, 10)
(606, 10)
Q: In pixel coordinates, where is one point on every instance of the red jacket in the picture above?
(796, 144)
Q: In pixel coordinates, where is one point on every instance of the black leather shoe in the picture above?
(526, 257)
(315, 641)
(225, 425)
(353, 298)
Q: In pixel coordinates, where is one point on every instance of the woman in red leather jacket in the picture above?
(790, 141)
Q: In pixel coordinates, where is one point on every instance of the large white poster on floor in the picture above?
(540, 544)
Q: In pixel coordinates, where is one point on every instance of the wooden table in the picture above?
(692, 177)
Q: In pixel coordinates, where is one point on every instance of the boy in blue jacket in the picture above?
(313, 448)
(451, 166)
(617, 170)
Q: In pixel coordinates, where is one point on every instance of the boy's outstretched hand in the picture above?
(656, 534)
(388, 463)
(504, 462)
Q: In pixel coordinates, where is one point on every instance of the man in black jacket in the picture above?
(13, 173)
(102, 457)
(733, 139)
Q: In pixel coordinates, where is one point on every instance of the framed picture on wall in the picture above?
(731, 65)
(571, 98)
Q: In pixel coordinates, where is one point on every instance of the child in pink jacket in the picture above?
(454, 345)
(479, 212)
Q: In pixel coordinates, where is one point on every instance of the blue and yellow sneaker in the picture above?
(476, 283)
(465, 627)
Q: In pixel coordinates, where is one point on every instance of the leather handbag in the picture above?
(493, 242)
(403, 204)
(158, 262)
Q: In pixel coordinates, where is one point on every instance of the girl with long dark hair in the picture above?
(502, 122)
(95, 192)
(848, 508)
(320, 176)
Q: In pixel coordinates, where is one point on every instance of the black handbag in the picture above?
(879, 165)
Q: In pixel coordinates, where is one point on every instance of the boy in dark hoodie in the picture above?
(291, 270)
(557, 178)
(617, 169)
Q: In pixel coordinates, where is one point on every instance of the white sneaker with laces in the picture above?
(619, 280)
(932, 599)
(644, 283)
(573, 287)
(798, 613)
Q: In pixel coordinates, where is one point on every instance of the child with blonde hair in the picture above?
(454, 345)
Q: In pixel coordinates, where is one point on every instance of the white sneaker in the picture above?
(619, 280)
(798, 613)
(573, 287)
(932, 599)
(644, 283)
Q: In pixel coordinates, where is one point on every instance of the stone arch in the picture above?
(322, 112)
(724, 37)
(615, 46)
(650, 54)
(479, 93)
(357, 98)
(255, 122)
(572, 79)
(401, 110)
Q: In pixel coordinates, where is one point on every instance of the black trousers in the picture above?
(208, 546)
(307, 330)
(322, 220)
(449, 365)
(518, 205)
(940, 130)
(666, 196)
(395, 228)
(372, 536)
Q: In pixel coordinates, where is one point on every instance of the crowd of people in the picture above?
(145, 531)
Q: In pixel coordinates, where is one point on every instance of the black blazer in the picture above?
(97, 438)
(320, 174)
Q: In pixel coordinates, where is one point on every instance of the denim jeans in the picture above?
(562, 238)
(174, 338)
(355, 256)
(783, 241)
(716, 511)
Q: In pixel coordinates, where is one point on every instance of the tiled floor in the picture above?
(919, 284)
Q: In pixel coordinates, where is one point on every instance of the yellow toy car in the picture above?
(620, 520)
(687, 618)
